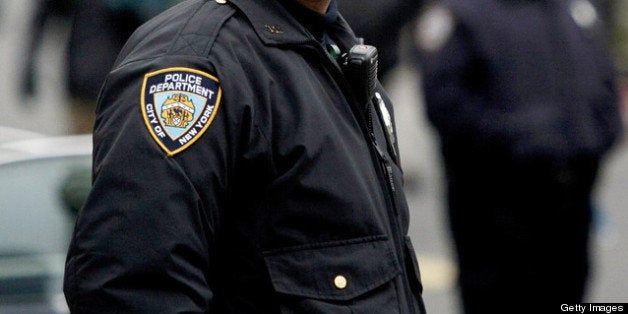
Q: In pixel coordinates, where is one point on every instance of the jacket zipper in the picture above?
(365, 117)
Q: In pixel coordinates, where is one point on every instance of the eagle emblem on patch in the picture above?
(178, 105)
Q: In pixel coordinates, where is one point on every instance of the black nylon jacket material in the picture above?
(289, 190)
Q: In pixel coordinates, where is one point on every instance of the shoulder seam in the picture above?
(200, 43)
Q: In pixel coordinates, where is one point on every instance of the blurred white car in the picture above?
(39, 177)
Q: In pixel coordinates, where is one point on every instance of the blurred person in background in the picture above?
(46, 12)
(99, 29)
(380, 23)
(523, 96)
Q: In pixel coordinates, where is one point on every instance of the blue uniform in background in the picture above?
(522, 94)
(381, 23)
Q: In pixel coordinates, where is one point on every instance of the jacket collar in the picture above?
(275, 26)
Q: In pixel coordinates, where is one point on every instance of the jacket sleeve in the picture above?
(143, 240)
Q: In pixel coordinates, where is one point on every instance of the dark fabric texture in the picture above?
(287, 181)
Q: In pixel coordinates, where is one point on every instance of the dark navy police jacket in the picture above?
(235, 172)
(530, 79)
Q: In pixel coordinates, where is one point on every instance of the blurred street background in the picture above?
(47, 112)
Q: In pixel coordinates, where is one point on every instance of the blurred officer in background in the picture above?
(380, 23)
(99, 29)
(239, 167)
(45, 12)
(523, 96)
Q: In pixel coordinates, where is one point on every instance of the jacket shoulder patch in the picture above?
(434, 28)
(178, 105)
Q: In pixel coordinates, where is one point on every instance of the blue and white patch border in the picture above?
(206, 106)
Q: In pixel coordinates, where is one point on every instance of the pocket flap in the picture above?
(335, 270)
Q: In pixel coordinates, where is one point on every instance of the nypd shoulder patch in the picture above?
(583, 13)
(434, 28)
(178, 105)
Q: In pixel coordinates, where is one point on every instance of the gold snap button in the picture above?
(340, 282)
(221, 1)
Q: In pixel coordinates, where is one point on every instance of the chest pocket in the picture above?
(353, 276)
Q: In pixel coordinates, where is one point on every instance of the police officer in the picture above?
(522, 94)
(237, 169)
